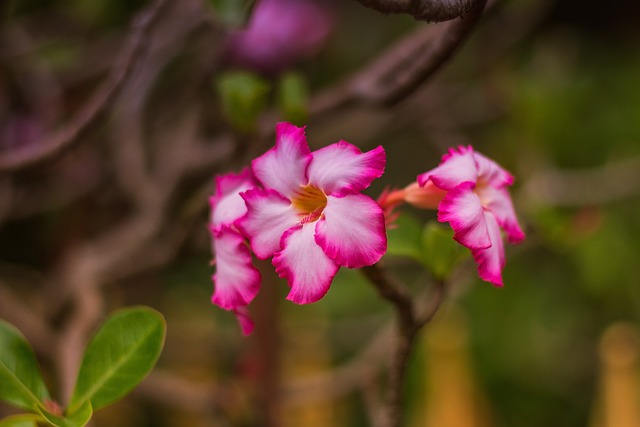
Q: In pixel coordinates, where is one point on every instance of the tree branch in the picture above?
(423, 10)
(97, 103)
(401, 69)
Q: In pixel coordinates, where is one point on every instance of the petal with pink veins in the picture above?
(244, 319)
(491, 260)
(268, 216)
(352, 231)
(492, 173)
(341, 168)
(283, 168)
(498, 201)
(226, 203)
(307, 269)
(457, 166)
(463, 209)
(236, 280)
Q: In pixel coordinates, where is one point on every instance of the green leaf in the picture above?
(79, 418)
(404, 239)
(21, 383)
(243, 96)
(293, 98)
(441, 252)
(21, 420)
(233, 13)
(121, 354)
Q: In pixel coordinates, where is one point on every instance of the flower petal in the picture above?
(463, 210)
(283, 168)
(268, 216)
(236, 280)
(226, 203)
(352, 231)
(457, 166)
(491, 260)
(492, 173)
(244, 319)
(498, 201)
(341, 168)
(304, 265)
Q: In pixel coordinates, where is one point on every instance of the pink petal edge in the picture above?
(308, 271)
(341, 168)
(491, 260)
(457, 166)
(352, 231)
(284, 167)
(462, 209)
(236, 280)
(268, 216)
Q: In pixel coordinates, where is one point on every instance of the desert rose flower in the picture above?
(236, 280)
(471, 195)
(310, 215)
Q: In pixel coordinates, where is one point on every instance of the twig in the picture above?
(400, 70)
(410, 320)
(97, 103)
(35, 329)
(423, 10)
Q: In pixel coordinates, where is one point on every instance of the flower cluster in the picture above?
(305, 210)
(470, 193)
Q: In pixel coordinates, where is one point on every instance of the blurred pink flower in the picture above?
(310, 215)
(236, 280)
(280, 33)
(471, 192)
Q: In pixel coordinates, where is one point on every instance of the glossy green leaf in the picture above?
(79, 418)
(441, 252)
(243, 96)
(293, 98)
(404, 238)
(21, 420)
(121, 354)
(20, 380)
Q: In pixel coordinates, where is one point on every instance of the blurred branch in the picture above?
(401, 69)
(407, 328)
(613, 181)
(423, 10)
(25, 318)
(55, 144)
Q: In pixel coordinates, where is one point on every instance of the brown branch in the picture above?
(401, 69)
(423, 10)
(411, 319)
(100, 100)
(34, 328)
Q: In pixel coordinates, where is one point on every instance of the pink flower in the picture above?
(236, 280)
(280, 33)
(476, 204)
(310, 215)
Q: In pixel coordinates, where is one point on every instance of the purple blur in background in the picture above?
(280, 33)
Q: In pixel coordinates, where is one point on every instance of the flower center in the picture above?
(309, 202)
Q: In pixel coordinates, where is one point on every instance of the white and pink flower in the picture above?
(309, 213)
(471, 195)
(236, 280)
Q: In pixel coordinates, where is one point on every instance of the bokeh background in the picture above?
(548, 88)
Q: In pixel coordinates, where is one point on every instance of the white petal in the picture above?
(283, 168)
(341, 168)
(304, 265)
(236, 280)
(352, 231)
(268, 216)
